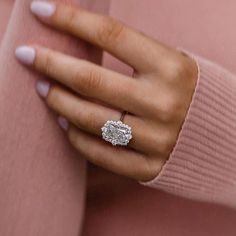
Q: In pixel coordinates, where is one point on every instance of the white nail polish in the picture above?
(63, 123)
(42, 8)
(42, 87)
(25, 54)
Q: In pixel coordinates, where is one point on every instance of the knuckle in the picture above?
(70, 17)
(77, 78)
(48, 63)
(165, 114)
(177, 68)
(93, 81)
(54, 97)
(181, 69)
(169, 108)
(110, 31)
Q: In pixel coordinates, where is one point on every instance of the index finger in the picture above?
(123, 42)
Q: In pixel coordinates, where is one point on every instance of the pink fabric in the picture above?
(43, 181)
(203, 163)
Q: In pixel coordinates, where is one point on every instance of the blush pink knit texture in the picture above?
(202, 165)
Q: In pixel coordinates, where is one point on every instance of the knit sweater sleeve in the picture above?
(202, 165)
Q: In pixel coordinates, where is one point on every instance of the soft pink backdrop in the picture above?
(42, 180)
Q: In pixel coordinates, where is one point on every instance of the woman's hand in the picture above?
(88, 95)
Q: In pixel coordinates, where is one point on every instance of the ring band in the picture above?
(117, 132)
(123, 115)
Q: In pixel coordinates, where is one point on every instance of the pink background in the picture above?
(42, 179)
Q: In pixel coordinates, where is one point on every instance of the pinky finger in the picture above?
(119, 160)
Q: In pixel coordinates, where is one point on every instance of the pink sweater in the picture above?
(43, 181)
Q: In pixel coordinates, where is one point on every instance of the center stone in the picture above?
(116, 132)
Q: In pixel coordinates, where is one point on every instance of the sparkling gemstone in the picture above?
(116, 132)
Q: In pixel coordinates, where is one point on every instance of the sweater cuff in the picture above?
(202, 165)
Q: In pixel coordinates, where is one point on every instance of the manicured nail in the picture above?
(25, 54)
(42, 8)
(42, 87)
(63, 123)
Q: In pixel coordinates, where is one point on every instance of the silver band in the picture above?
(123, 115)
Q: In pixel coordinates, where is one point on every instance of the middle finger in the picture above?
(88, 79)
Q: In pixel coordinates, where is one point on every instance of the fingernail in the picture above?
(42, 87)
(63, 123)
(42, 8)
(25, 54)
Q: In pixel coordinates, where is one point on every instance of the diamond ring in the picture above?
(116, 132)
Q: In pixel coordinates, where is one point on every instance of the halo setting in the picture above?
(116, 132)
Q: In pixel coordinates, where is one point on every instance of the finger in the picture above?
(116, 159)
(91, 117)
(88, 79)
(113, 36)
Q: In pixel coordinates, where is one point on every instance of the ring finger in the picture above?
(90, 116)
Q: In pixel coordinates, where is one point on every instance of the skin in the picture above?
(87, 95)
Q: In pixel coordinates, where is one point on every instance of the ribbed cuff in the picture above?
(202, 165)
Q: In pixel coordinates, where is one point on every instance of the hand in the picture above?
(87, 95)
